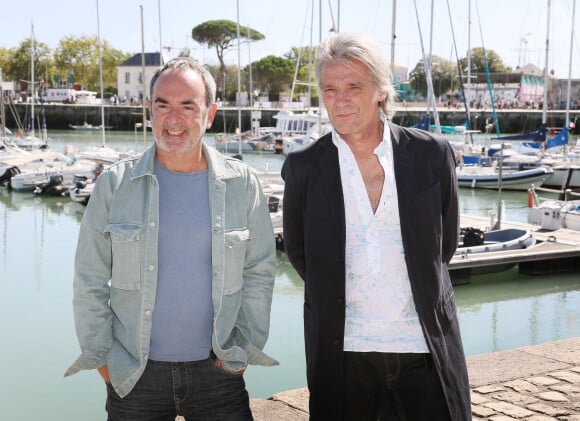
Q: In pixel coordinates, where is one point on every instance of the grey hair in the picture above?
(346, 47)
(187, 63)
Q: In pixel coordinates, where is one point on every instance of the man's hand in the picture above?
(104, 372)
(220, 364)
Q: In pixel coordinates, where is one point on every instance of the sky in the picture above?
(514, 29)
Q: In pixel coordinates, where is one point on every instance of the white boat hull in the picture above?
(488, 178)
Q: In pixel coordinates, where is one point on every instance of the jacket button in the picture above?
(336, 342)
(339, 300)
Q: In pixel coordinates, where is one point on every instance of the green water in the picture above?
(37, 243)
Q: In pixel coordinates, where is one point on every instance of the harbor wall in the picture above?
(125, 117)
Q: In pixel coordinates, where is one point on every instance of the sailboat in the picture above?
(101, 153)
(550, 151)
(30, 141)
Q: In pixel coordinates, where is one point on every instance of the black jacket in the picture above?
(314, 238)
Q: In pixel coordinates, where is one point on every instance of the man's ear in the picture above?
(211, 114)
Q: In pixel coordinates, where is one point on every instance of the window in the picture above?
(127, 77)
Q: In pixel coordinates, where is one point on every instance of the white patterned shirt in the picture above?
(380, 311)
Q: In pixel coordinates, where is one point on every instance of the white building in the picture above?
(130, 76)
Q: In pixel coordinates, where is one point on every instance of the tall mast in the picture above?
(546, 74)
(569, 86)
(101, 77)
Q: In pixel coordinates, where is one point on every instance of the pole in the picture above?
(144, 104)
(160, 43)
(239, 79)
(101, 77)
(393, 37)
(569, 86)
(546, 75)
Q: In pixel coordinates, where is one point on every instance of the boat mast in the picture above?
(101, 77)
(427, 69)
(546, 75)
(393, 37)
(143, 87)
(467, 100)
(32, 79)
(239, 80)
(569, 86)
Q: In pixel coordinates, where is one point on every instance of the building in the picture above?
(130, 80)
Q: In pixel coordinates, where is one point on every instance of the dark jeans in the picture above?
(391, 386)
(197, 390)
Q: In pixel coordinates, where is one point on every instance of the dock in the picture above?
(555, 251)
(539, 382)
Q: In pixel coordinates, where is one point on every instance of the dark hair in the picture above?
(187, 63)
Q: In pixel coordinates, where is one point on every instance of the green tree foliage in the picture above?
(494, 62)
(79, 56)
(231, 82)
(272, 74)
(4, 60)
(18, 63)
(443, 76)
(222, 35)
(304, 56)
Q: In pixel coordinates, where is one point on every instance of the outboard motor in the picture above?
(54, 187)
(80, 181)
(8, 174)
(472, 237)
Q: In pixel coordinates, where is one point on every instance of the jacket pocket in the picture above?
(125, 246)
(235, 242)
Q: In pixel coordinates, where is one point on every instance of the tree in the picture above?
(305, 55)
(4, 59)
(272, 74)
(222, 34)
(79, 56)
(18, 65)
(494, 62)
(443, 74)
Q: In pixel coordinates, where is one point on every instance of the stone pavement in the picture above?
(536, 383)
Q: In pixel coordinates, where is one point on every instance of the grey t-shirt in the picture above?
(183, 312)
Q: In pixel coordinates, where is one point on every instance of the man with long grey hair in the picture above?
(175, 267)
(371, 222)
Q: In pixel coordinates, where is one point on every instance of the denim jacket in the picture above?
(116, 268)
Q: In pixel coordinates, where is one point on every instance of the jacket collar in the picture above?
(219, 165)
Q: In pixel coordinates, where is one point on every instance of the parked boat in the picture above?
(571, 215)
(82, 190)
(39, 172)
(475, 241)
(551, 213)
(262, 144)
(488, 177)
(88, 127)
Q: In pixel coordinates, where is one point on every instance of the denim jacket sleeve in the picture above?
(240, 336)
(92, 314)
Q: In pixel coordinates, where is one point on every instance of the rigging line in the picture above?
(488, 77)
(428, 74)
(468, 127)
(496, 123)
(298, 56)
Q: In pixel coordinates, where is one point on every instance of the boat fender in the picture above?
(531, 198)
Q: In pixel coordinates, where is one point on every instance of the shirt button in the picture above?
(150, 267)
(152, 224)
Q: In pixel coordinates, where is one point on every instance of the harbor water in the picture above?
(37, 243)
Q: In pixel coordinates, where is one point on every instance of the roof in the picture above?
(151, 59)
